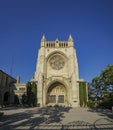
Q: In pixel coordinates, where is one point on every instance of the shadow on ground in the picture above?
(32, 118)
(50, 118)
(102, 112)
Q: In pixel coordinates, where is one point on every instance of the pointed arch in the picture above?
(56, 52)
(57, 93)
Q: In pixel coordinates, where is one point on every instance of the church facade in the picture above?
(57, 73)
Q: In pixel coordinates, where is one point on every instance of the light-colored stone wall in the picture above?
(20, 90)
(45, 75)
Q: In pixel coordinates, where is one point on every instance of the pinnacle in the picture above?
(70, 38)
(43, 38)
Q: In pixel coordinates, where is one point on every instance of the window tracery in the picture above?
(57, 62)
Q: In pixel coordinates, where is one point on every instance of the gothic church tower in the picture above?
(57, 73)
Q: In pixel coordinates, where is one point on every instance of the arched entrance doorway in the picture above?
(57, 94)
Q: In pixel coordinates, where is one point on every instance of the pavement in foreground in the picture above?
(56, 118)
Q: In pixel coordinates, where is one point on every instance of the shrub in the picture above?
(91, 103)
(107, 104)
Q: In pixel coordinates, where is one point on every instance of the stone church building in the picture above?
(57, 73)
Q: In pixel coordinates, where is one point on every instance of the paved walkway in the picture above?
(55, 118)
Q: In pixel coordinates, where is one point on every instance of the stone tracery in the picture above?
(57, 62)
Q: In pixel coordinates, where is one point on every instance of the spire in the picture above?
(70, 38)
(43, 38)
(56, 40)
(70, 41)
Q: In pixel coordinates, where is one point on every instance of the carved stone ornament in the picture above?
(57, 62)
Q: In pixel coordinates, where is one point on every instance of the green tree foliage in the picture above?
(103, 85)
(106, 77)
(82, 94)
(97, 91)
(85, 94)
(31, 93)
(90, 103)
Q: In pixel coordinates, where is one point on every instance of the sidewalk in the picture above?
(88, 115)
(55, 118)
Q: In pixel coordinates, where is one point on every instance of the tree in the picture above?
(31, 93)
(103, 85)
(106, 77)
(83, 94)
(97, 85)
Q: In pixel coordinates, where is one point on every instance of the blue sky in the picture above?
(23, 22)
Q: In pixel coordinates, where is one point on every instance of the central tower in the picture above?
(57, 73)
